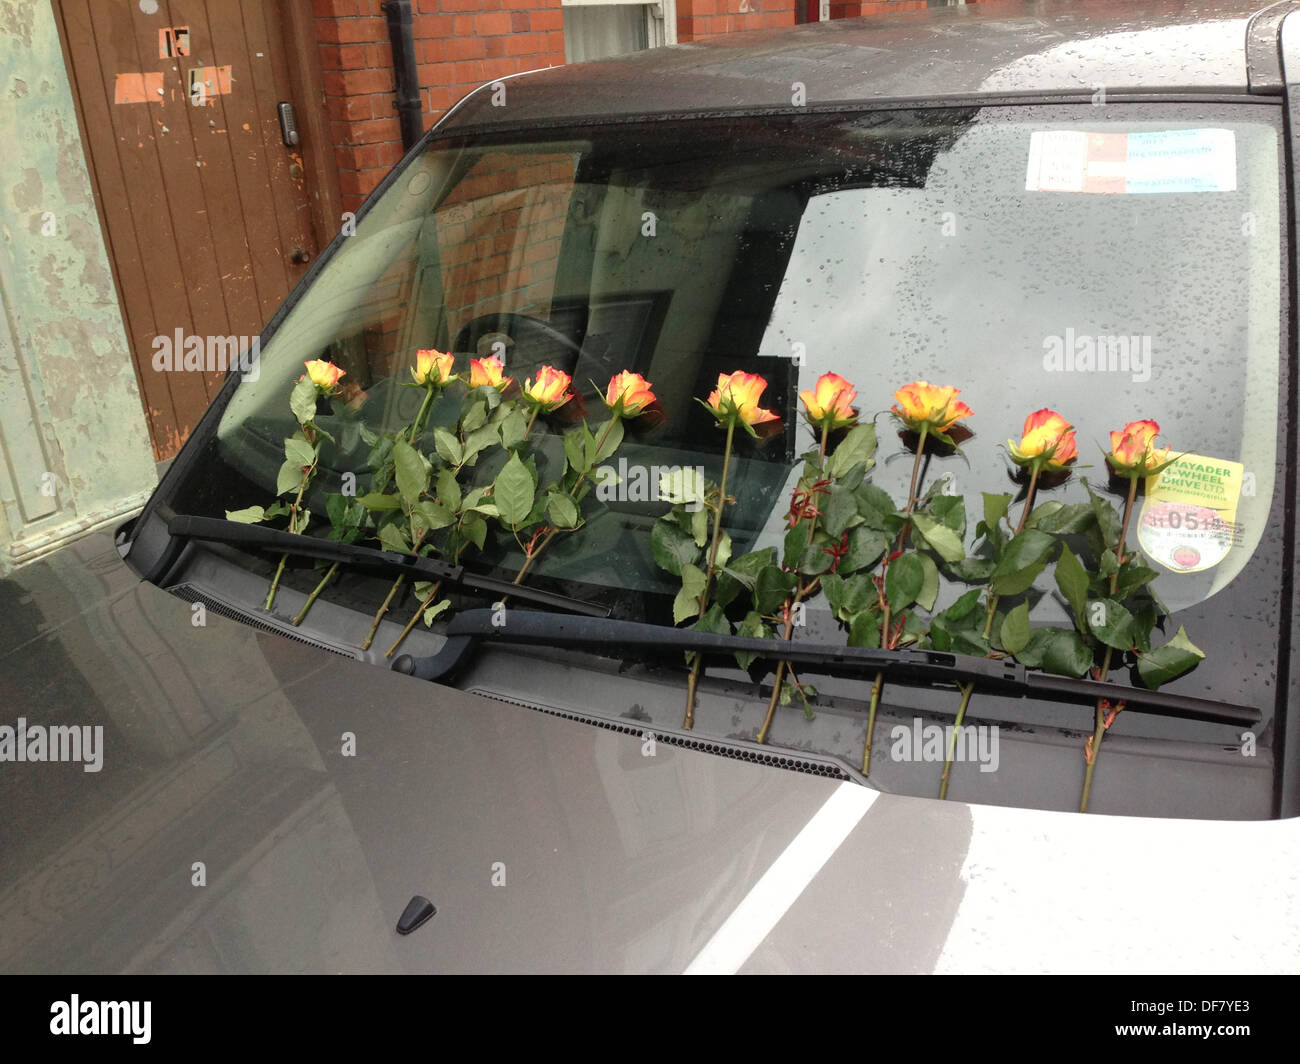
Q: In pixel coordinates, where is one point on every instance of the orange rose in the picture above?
(432, 368)
(628, 394)
(830, 405)
(926, 406)
(1048, 442)
(550, 391)
(1133, 452)
(488, 371)
(325, 375)
(736, 397)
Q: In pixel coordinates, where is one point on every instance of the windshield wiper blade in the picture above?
(916, 667)
(258, 537)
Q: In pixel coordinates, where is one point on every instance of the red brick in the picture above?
(497, 22)
(334, 8)
(546, 20)
(465, 48)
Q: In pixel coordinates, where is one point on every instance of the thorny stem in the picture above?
(800, 592)
(689, 721)
(1020, 527)
(293, 521)
(966, 691)
(433, 593)
(1100, 728)
(312, 597)
(879, 682)
(417, 426)
(374, 625)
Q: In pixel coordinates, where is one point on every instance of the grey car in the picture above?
(309, 721)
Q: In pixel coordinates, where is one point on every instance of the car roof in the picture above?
(1001, 49)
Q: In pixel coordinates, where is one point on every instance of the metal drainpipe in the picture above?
(410, 113)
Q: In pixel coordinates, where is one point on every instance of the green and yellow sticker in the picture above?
(1188, 521)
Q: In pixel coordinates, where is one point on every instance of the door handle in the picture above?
(299, 256)
(288, 124)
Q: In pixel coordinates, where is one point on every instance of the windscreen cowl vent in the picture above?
(722, 747)
(191, 593)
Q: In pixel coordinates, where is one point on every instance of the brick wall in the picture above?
(698, 19)
(459, 44)
(874, 7)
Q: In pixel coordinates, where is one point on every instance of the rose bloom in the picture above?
(550, 390)
(737, 395)
(830, 403)
(1048, 441)
(325, 375)
(488, 371)
(628, 394)
(922, 405)
(432, 368)
(1133, 451)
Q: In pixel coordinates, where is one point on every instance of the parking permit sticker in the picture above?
(1189, 517)
(1176, 160)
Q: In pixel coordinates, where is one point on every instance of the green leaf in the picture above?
(815, 560)
(288, 478)
(374, 501)
(833, 589)
(431, 613)
(857, 446)
(1107, 519)
(671, 547)
(1131, 577)
(513, 428)
(513, 492)
(563, 511)
(796, 543)
(299, 452)
(248, 516)
(971, 570)
(1166, 662)
(951, 510)
(876, 507)
(478, 441)
(1023, 558)
(412, 473)
(1073, 582)
(474, 529)
(747, 567)
(1065, 654)
(866, 545)
(904, 579)
(448, 447)
(1015, 629)
(687, 602)
(575, 451)
(963, 607)
(475, 414)
(859, 594)
(432, 515)
(611, 435)
(995, 510)
(942, 538)
(752, 627)
(700, 526)
(448, 489)
(1111, 623)
(772, 588)
(864, 629)
(841, 511)
(302, 400)
(930, 584)
(1062, 520)
(393, 537)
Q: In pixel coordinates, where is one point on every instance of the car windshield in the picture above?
(1112, 263)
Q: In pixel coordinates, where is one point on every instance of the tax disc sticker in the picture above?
(1189, 516)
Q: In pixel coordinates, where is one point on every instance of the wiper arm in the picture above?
(353, 555)
(916, 667)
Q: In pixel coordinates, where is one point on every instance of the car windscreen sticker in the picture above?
(1189, 517)
(1176, 160)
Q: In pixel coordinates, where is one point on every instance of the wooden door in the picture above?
(207, 212)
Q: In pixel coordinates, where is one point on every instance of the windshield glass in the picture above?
(1009, 251)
